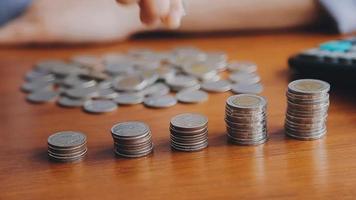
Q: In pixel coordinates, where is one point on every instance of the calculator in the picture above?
(332, 61)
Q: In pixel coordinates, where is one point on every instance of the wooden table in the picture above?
(281, 168)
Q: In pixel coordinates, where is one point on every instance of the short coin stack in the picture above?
(245, 117)
(189, 132)
(132, 139)
(308, 103)
(67, 146)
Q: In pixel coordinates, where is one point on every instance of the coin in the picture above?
(160, 101)
(245, 118)
(132, 139)
(192, 96)
(129, 98)
(242, 66)
(67, 146)
(99, 106)
(189, 132)
(243, 77)
(216, 86)
(70, 102)
(241, 88)
(42, 96)
(307, 107)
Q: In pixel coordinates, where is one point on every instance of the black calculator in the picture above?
(332, 61)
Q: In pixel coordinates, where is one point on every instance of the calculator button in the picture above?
(339, 46)
(311, 54)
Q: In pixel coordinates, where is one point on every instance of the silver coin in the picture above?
(129, 98)
(42, 96)
(246, 78)
(86, 60)
(107, 93)
(192, 96)
(134, 82)
(130, 129)
(216, 86)
(70, 102)
(309, 86)
(241, 88)
(158, 89)
(48, 65)
(242, 66)
(160, 101)
(82, 93)
(99, 106)
(67, 139)
(75, 81)
(36, 85)
(247, 101)
(182, 81)
(189, 121)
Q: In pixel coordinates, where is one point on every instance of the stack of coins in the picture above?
(245, 117)
(308, 102)
(67, 146)
(132, 139)
(189, 132)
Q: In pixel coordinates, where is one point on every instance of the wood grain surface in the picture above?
(282, 168)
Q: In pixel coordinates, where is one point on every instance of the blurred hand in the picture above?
(72, 21)
(169, 12)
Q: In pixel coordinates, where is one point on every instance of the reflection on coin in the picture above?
(129, 99)
(100, 106)
(192, 96)
(246, 101)
(216, 86)
(241, 88)
(160, 101)
(42, 96)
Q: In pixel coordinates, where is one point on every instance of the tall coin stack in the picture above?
(67, 146)
(189, 132)
(132, 139)
(308, 103)
(245, 117)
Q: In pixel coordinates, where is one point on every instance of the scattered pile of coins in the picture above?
(308, 103)
(245, 117)
(67, 146)
(100, 84)
(189, 132)
(132, 139)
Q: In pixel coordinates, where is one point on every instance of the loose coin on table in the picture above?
(245, 117)
(307, 108)
(67, 146)
(132, 139)
(242, 88)
(100, 106)
(216, 86)
(192, 96)
(137, 76)
(160, 101)
(189, 132)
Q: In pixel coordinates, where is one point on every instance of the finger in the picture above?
(19, 31)
(127, 1)
(173, 19)
(149, 12)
